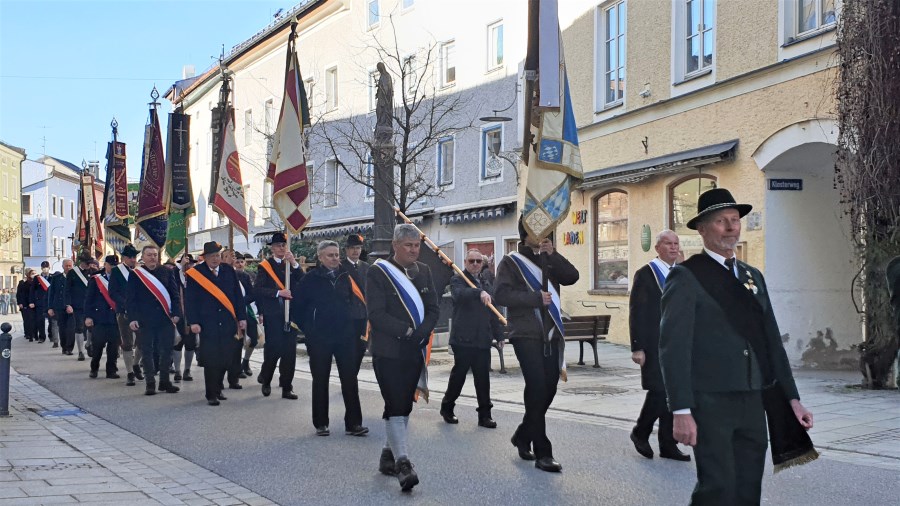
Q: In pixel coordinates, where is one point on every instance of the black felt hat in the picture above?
(111, 260)
(354, 240)
(715, 200)
(129, 251)
(277, 238)
(211, 247)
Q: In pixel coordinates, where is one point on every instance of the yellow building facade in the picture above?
(673, 98)
(11, 264)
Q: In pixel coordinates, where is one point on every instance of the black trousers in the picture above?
(253, 331)
(280, 350)
(213, 377)
(188, 341)
(105, 336)
(541, 378)
(731, 447)
(66, 339)
(397, 380)
(28, 320)
(157, 341)
(479, 361)
(74, 325)
(655, 407)
(345, 352)
(234, 367)
(40, 323)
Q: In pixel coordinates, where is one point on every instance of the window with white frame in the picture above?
(270, 116)
(495, 45)
(5, 186)
(248, 127)
(331, 89)
(370, 177)
(814, 14)
(26, 204)
(612, 54)
(410, 76)
(267, 199)
(14, 192)
(372, 14)
(373, 89)
(491, 147)
(445, 155)
(62, 209)
(330, 188)
(699, 45)
(53, 207)
(72, 210)
(26, 246)
(448, 63)
(310, 88)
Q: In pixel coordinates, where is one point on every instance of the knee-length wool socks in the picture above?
(396, 430)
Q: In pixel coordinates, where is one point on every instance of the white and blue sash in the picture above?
(660, 277)
(532, 275)
(406, 291)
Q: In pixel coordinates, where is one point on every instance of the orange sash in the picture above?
(268, 268)
(213, 290)
(359, 295)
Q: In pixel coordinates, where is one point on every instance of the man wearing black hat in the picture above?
(724, 366)
(215, 310)
(100, 317)
(23, 297)
(56, 307)
(38, 301)
(76, 290)
(252, 337)
(154, 308)
(536, 335)
(187, 342)
(118, 282)
(271, 294)
(358, 269)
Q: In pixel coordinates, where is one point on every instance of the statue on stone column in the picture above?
(384, 98)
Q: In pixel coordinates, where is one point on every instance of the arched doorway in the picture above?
(810, 262)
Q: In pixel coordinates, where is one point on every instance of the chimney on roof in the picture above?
(187, 71)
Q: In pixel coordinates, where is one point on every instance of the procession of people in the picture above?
(702, 331)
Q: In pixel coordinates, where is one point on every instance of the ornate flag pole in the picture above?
(447, 260)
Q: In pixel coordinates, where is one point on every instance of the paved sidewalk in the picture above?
(51, 452)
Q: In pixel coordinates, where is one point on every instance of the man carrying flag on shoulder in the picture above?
(118, 282)
(271, 293)
(76, 290)
(154, 308)
(215, 310)
(403, 310)
(100, 317)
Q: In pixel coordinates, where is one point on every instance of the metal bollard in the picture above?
(5, 353)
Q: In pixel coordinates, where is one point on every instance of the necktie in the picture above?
(215, 272)
(729, 262)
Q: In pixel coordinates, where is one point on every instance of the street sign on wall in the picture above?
(786, 184)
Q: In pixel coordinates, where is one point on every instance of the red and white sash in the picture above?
(81, 276)
(156, 288)
(103, 286)
(43, 282)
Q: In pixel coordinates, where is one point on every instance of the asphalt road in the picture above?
(268, 446)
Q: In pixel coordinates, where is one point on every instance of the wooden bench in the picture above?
(584, 329)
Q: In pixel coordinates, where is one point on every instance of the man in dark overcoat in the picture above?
(76, 290)
(23, 302)
(56, 306)
(358, 269)
(118, 282)
(719, 347)
(403, 310)
(271, 293)
(537, 341)
(40, 286)
(100, 317)
(474, 328)
(154, 308)
(643, 320)
(215, 310)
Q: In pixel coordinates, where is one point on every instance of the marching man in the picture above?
(100, 317)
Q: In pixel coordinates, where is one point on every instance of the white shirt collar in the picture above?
(278, 260)
(719, 258)
(663, 267)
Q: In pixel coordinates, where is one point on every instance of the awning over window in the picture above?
(475, 214)
(636, 172)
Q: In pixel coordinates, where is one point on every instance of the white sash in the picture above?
(535, 271)
(124, 270)
(103, 280)
(407, 292)
(156, 288)
(81, 276)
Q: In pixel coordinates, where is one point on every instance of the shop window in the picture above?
(611, 245)
(683, 195)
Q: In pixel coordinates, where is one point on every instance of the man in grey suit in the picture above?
(719, 348)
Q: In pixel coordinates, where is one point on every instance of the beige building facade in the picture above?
(11, 158)
(676, 97)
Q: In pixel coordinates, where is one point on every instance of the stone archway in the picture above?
(810, 262)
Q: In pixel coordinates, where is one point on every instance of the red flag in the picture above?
(287, 162)
(229, 198)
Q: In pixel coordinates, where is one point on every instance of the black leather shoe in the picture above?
(406, 475)
(242, 375)
(323, 431)
(357, 430)
(55, 345)
(138, 375)
(449, 417)
(151, 389)
(642, 446)
(525, 452)
(674, 453)
(112, 376)
(245, 368)
(130, 382)
(168, 388)
(93, 374)
(266, 390)
(176, 378)
(548, 464)
(287, 394)
(80, 356)
(235, 386)
(221, 397)
(487, 423)
(213, 402)
(187, 376)
(386, 464)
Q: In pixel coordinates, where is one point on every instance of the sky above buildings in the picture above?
(68, 67)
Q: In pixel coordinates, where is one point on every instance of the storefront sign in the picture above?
(579, 217)
(786, 184)
(570, 238)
